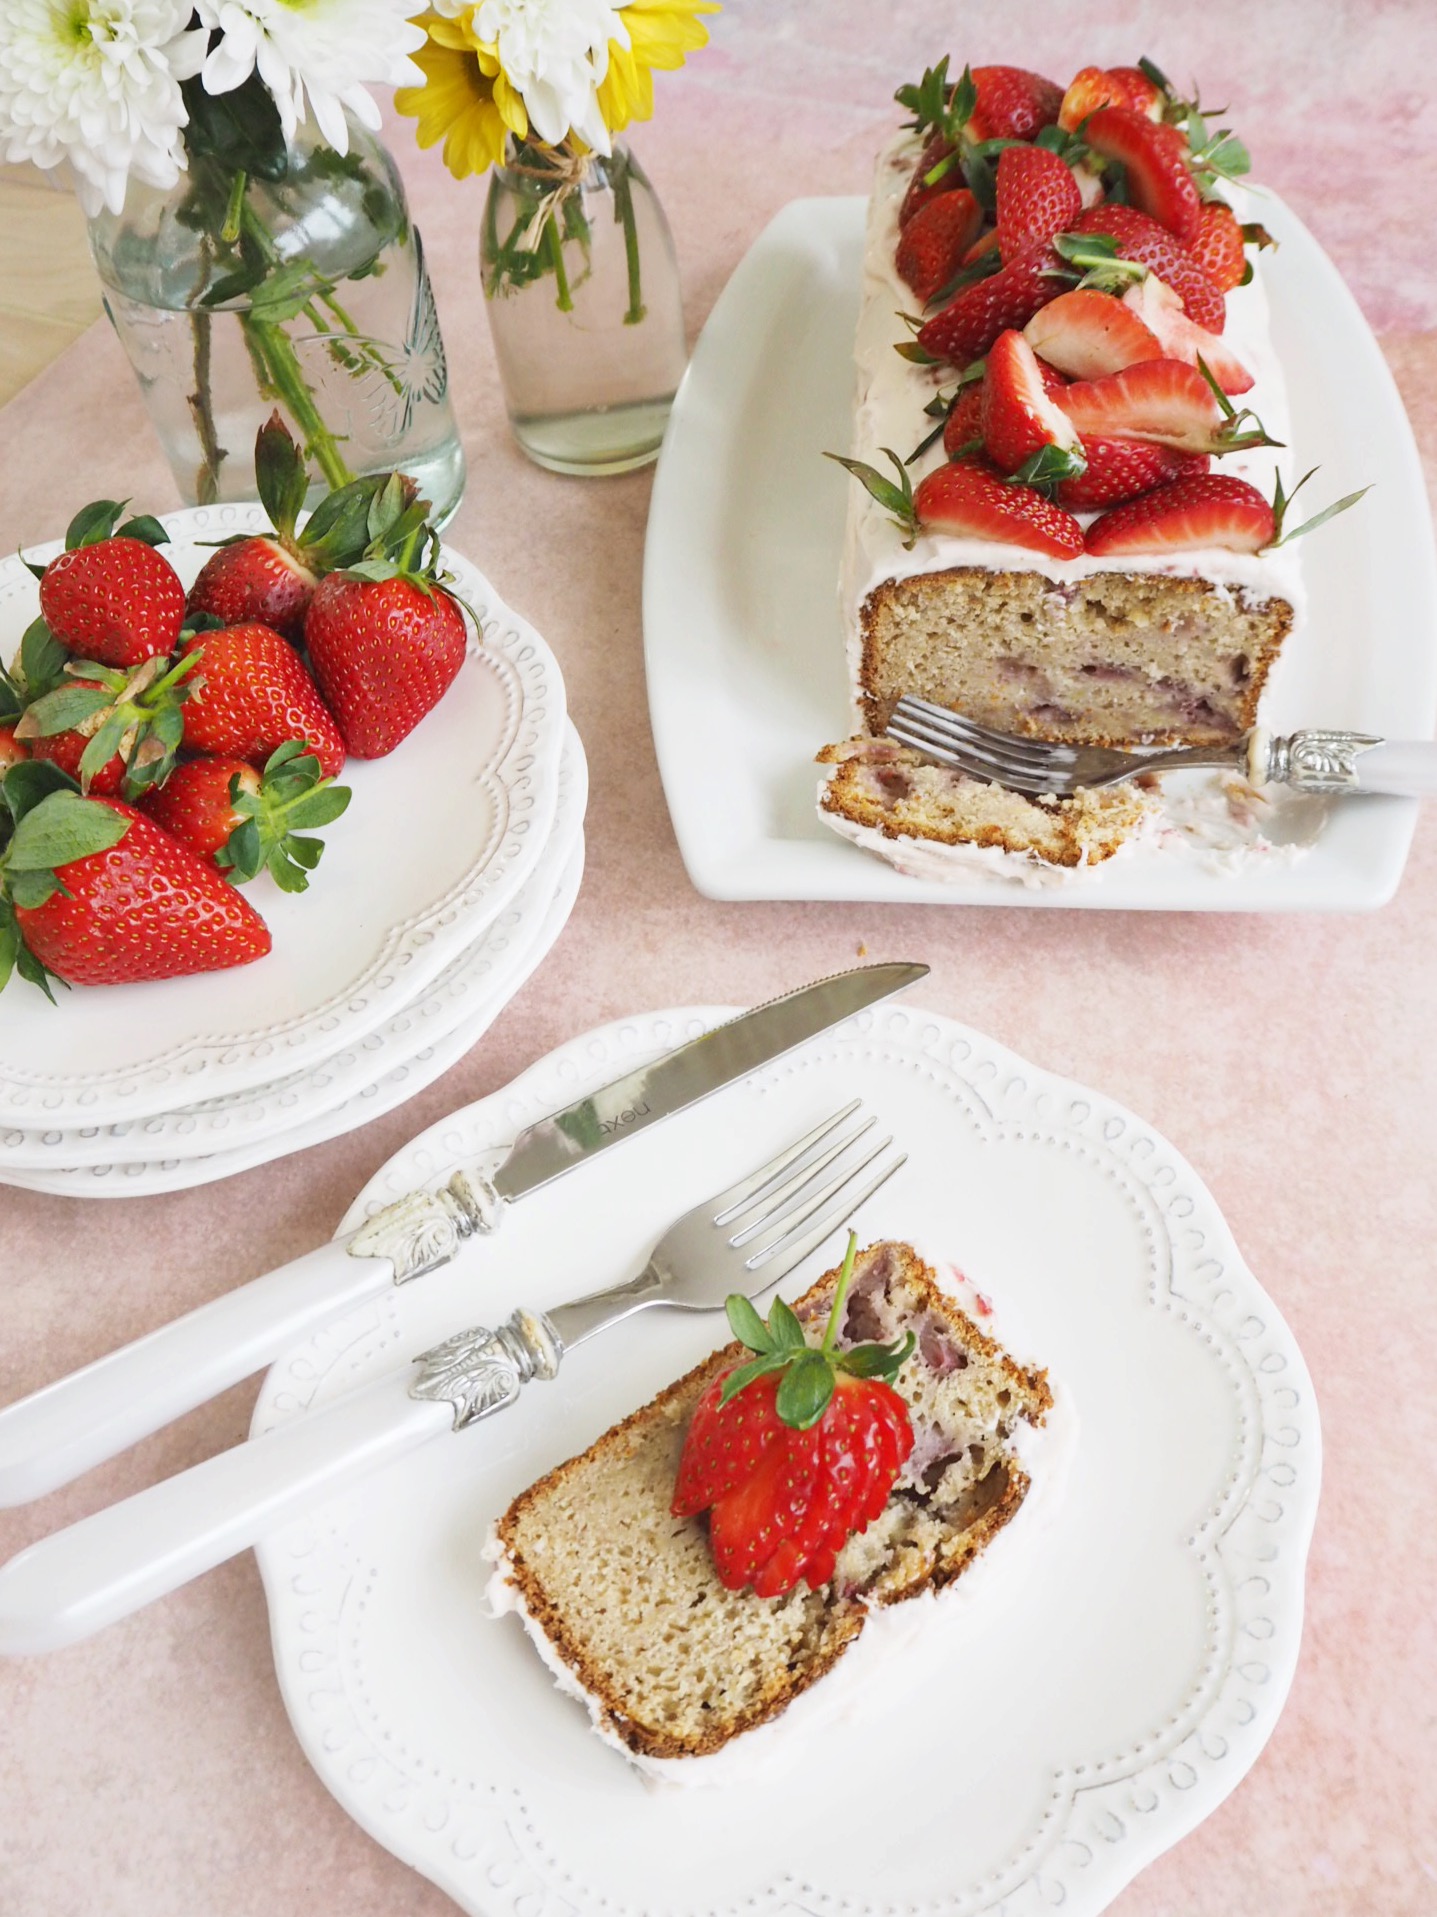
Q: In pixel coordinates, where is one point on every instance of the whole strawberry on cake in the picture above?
(1069, 449)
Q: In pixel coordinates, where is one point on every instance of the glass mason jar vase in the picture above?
(303, 288)
(582, 288)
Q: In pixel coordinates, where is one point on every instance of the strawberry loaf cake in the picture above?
(1067, 521)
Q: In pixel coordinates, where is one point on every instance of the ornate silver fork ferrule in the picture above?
(1311, 761)
(479, 1371)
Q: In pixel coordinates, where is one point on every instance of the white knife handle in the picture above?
(68, 1427)
(1405, 767)
(58, 1432)
(106, 1566)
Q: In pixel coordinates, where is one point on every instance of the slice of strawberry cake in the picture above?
(1068, 429)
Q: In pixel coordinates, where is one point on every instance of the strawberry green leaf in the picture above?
(281, 477)
(745, 1374)
(37, 973)
(305, 852)
(93, 523)
(146, 528)
(1318, 519)
(61, 828)
(747, 1326)
(897, 500)
(878, 1361)
(9, 944)
(62, 710)
(1045, 468)
(318, 808)
(804, 1390)
(42, 659)
(34, 889)
(785, 1327)
(243, 852)
(26, 785)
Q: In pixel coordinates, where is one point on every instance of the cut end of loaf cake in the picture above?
(1111, 659)
(890, 797)
(623, 1599)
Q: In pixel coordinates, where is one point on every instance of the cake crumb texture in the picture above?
(627, 1595)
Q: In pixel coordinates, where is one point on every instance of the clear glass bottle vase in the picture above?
(582, 288)
(234, 293)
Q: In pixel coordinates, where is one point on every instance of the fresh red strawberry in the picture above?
(114, 731)
(385, 652)
(1037, 197)
(1155, 161)
(1217, 246)
(969, 498)
(1012, 104)
(968, 325)
(1140, 238)
(932, 245)
(110, 596)
(936, 149)
(963, 428)
(795, 1451)
(1212, 509)
(1019, 418)
(243, 821)
(1120, 469)
(1094, 87)
(1087, 334)
(386, 640)
(97, 894)
(1161, 312)
(252, 695)
(1158, 399)
(12, 750)
(270, 580)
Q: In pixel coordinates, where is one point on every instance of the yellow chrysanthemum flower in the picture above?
(468, 103)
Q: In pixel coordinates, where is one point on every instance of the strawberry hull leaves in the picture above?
(125, 724)
(293, 798)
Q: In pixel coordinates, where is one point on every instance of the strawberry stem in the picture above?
(840, 1295)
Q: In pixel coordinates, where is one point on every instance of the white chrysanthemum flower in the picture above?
(97, 83)
(326, 50)
(556, 54)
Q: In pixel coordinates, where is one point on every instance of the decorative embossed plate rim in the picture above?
(744, 646)
(1178, 1551)
(176, 1042)
(141, 1154)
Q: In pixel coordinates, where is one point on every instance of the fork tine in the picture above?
(978, 764)
(810, 1201)
(943, 723)
(971, 751)
(770, 1203)
(749, 1190)
(792, 1251)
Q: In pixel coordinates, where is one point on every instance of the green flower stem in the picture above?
(286, 378)
(624, 207)
(554, 246)
(202, 411)
(234, 211)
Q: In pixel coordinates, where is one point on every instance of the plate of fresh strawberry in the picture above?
(260, 783)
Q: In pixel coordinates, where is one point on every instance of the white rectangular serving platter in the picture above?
(743, 641)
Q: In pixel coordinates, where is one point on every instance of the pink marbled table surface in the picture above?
(151, 1772)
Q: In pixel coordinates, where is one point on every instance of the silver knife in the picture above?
(68, 1427)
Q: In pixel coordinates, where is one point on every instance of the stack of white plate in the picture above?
(441, 890)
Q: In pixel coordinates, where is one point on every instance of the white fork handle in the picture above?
(1405, 767)
(55, 1434)
(106, 1566)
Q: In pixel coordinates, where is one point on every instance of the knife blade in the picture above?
(55, 1434)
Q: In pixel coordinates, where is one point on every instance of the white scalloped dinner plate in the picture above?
(100, 1160)
(438, 838)
(743, 641)
(1080, 1720)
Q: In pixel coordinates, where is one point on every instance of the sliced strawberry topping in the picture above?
(1037, 197)
(1161, 312)
(1155, 159)
(1218, 244)
(1138, 237)
(936, 148)
(1158, 399)
(1087, 334)
(1120, 469)
(1213, 509)
(964, 423)
(1018, 417)
(969, 324)
(1096, 87)
(969, 498)
(1013, 104)
(932, 246)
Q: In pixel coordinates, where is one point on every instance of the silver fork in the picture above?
(743, 1239)
(1310, 761)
